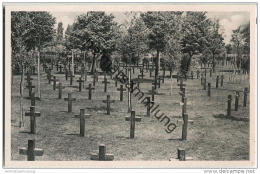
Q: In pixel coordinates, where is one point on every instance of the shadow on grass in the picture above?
(222, 116)
(174, 139)
(74, 134)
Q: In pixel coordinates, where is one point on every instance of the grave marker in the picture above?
(71, 78)
(221, 81)
(31, 151)
(209, 86)
(33, 99)
(184, 126)
(30, 87)
(66, 74)
(54, 82)
(217, 81)
(82, 116)
(121, 89)
(236, 100)
(32, 114)
(105, 84)
(101, 155)
(198, 74)
(148, 102)
(90, 91)
(108, 102)
(132, 120)
(28, 77)
(181, 84)
(70, 100)
(60, 90)
(229, 105)
(80, 81)
(245, 96)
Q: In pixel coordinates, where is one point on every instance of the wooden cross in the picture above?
(66, 74)
(159, 82)
(33, 99)
(60, 90)
(82, 116)
(95, 78)
(181, 156)
(155, 83)
(60, 67)
(181, 84)
(96, 75)
(71, 78)
(132, 83)
(148, 102)
(121, 89)
(32, 114)
(80, 81)
(69, 99)
(57, 67)
(31, 151)
(90, 91)
(101, 155)
(49, 76)
(198, 74)
(142, 72)
(221, 80)
(236, 100)
(132, 120)
(28, 78)
(30, 87)
(245, 97)
(105, 82)
(54, 82)
(184, 126)
(229, 106)
(217, 81)
(108, 101)
(153, 93)
(209, 86)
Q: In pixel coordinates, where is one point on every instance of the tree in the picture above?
(95, 32)
(133, 44)
(238, 41)
(161, 24)
(25, 36)
(195, 29)
(60, 33)
(216, 42)
(39, 30)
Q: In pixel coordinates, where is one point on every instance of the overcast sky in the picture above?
(228, 20)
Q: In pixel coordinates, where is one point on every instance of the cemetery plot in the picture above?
(65, 137)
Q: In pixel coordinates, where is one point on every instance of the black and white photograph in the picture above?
(135, 85)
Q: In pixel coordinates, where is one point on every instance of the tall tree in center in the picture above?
(96, 32)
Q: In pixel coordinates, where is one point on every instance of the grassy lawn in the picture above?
(209, 137)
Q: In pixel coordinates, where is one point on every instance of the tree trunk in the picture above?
(72, 63)
(213, 63)
(157, 64)
(21, 122)
(93, 67)
(171, 84)
(39, 75)
(85, 60)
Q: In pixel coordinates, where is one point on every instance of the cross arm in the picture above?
(86, 116)
(138, 119)
(108, 157)
(37, 151)
(36, 114)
